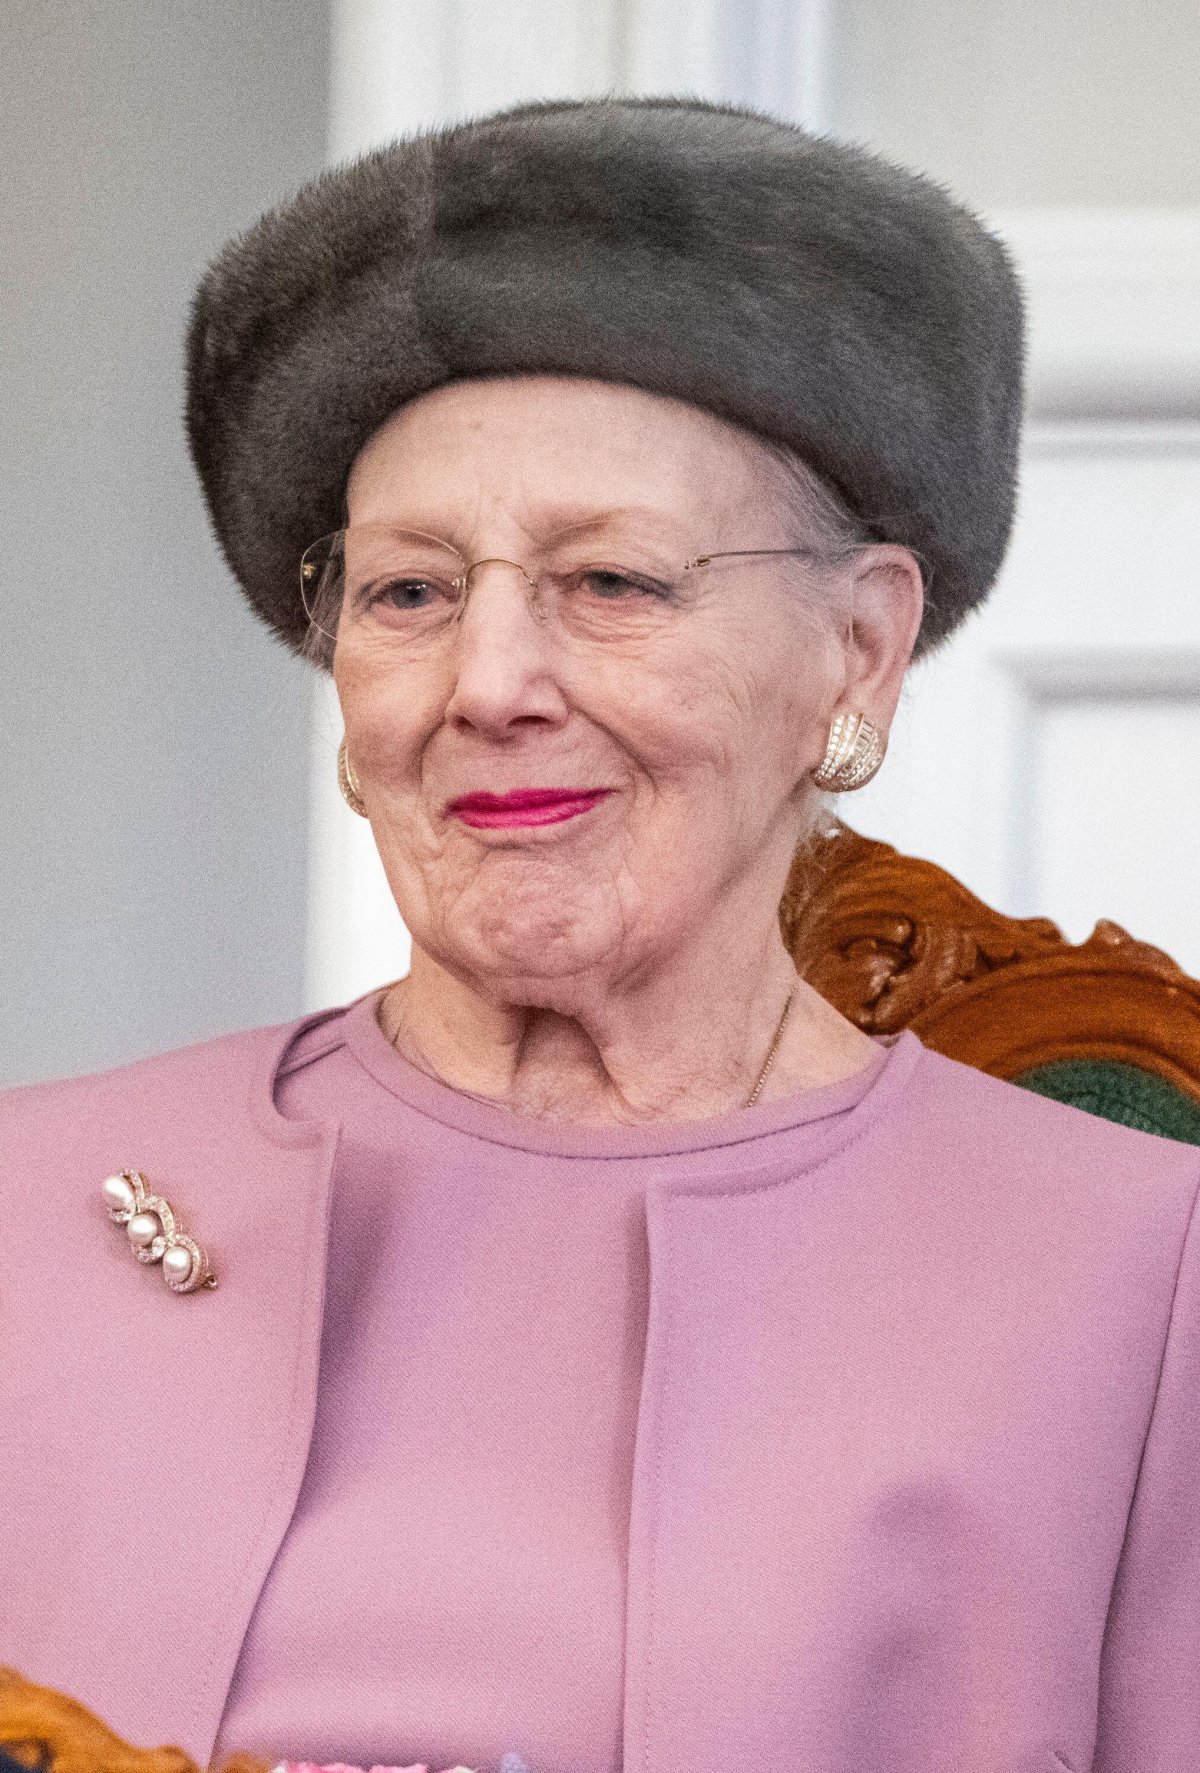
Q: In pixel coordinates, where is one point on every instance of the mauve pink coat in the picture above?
(917, 1470)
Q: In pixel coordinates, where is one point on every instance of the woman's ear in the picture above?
(887, 601)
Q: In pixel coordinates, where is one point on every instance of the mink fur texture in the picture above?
(804, 289)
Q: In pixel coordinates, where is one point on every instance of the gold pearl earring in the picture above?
(348, 783)
(852, 756)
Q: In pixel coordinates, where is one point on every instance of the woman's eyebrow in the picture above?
(577, 520)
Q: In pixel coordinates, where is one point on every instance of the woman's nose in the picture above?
(503, 654)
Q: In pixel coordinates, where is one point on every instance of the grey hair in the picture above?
(820, 513)
(816, 518)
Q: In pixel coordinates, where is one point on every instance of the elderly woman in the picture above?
(617, 1357)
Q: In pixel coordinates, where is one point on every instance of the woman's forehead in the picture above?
(553, 451)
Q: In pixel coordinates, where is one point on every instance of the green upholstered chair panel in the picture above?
(1121, 1093)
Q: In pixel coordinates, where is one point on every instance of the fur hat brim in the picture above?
(805, 290)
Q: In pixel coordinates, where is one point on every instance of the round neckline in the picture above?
(480, 1119)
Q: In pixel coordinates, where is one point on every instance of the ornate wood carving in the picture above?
(894, 942)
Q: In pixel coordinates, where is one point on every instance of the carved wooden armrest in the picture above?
(895, 942)
(44, 1730)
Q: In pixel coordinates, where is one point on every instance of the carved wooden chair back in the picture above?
(1111, 1024)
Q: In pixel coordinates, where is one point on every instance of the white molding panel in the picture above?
(1114, 311)
(1097, 605)
(398, 67)
(773, 54)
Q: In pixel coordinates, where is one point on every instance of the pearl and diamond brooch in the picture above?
(154, 1233)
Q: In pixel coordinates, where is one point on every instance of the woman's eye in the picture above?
(611, 584)
(404, 594)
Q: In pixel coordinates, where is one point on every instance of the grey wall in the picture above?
(1011, 102)
(153, 742)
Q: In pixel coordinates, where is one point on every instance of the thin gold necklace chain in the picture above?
(752, 1098)
(759, 1081)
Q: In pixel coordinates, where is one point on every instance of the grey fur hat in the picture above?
(806, 290)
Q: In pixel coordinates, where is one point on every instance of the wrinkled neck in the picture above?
(685, 1043)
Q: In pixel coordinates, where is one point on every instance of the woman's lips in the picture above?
(524, 806)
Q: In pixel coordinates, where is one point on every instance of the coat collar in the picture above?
(173, 1430)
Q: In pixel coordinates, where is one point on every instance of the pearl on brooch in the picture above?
(154, 1233)
(119, 1197)
(143, 1228)
(177, 1266)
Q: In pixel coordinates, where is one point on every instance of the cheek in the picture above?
(733, 721)
(388, 719)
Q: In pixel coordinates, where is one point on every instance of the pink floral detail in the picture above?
(341, 1767)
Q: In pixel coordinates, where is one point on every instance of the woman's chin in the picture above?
(523, 969)
(525, 951)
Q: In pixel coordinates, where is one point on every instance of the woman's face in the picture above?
(686, 728)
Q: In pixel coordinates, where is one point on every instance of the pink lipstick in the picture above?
(524, 806)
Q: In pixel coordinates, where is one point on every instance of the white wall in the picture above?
(1052, 756)
(1065, 103)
